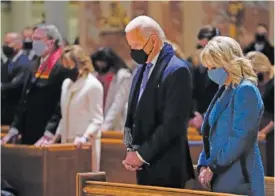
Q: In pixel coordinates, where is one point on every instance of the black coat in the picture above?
(268, 51)
(39, 108)
(159, 122)
(204, 89)
(11, 86)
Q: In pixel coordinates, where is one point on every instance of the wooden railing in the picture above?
(94, 184)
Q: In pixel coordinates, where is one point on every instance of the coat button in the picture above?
(134, 125)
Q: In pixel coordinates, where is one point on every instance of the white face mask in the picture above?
(39, 47)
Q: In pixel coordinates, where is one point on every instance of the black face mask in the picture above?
(260, 77)
(8, 51)
(73, 74)
(102, 70)
(27, 45)
(140, 56)
(260, 37)
(198, 46)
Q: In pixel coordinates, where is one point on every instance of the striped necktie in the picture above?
(145, 78)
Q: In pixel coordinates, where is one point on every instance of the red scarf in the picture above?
(47, 66)
(106, 80)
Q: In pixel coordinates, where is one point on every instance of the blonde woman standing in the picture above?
(231, 161)
(265, 72)
(81, 103)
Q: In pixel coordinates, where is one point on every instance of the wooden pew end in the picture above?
(82, 178)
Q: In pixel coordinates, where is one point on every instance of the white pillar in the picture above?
(21, 14)
(56, 14)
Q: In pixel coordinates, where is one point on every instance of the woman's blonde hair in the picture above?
(226, 52)
(261, 63)
(80, 57)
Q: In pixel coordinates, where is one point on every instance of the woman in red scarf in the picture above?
(116, 80)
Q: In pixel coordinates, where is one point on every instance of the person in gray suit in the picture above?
(116, 80)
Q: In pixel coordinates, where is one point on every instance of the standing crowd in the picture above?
(58, 93)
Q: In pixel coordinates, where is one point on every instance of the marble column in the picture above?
(21, 15)
(56, 12)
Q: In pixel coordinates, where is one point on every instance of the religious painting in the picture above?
(237, 19)
(105, 22)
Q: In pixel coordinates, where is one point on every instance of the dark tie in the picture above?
(145, 78)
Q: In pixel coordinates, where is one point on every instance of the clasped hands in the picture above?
(205, 177)
(132, 162)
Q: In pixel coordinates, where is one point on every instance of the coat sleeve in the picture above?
(177, 107)
(95, 97)
(248, 107)
(56, 116)
(17, 81)
(118, 104)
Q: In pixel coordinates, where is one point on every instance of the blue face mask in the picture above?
(39, 47)
(218, 75)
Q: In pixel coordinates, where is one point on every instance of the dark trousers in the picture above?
(161, 178)
(270, 154)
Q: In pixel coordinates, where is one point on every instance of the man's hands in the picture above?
(132, 162)
(78, 141)
(44, 141)
(11, 137)
(205, 177)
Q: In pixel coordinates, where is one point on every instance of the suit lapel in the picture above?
(134, 84)
(222, 103)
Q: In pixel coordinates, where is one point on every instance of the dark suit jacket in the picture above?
(159, 122)
(39, 108)
(11, 85)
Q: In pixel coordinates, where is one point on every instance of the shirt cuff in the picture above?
(140, 158)
(48, 134)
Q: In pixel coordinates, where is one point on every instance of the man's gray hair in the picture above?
(147, 26)
(52, 33)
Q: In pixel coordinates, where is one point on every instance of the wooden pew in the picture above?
(4, 128)
(269, 186)
(94, 184)
(46, 171)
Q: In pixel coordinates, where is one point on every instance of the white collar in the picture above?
(17, 56)
(154, 60)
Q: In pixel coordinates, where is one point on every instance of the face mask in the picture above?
(218, 75)
(27, 45)
(260, 77)
(102, 69)
(73, 74)
(8, 51)
(39, 47)
(260, 37)
(140, 56)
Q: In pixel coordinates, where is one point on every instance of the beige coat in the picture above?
(82, 112)
(117, 101)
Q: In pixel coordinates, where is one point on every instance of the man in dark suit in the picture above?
(261, 43)
(13, 71)
(27, 43)
(158, 111)
(38, 114)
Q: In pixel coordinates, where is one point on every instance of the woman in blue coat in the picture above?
(231, 161)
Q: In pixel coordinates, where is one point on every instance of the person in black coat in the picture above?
(261, 43)
(159, 106)
(12, 75)
(204, 89)
(27, 43)
(39, 113)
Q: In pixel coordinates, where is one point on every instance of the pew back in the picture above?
(87, 187)
(47, 171)
(269, 186)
